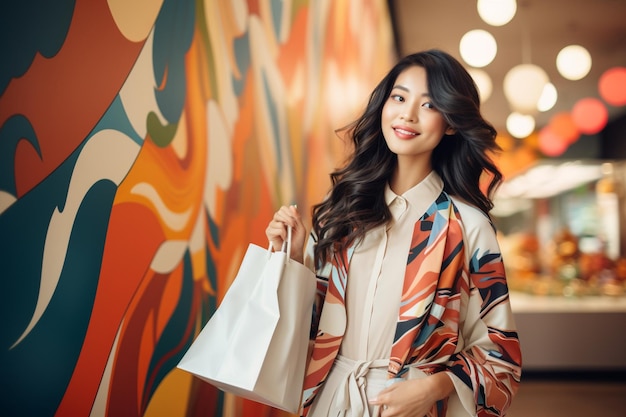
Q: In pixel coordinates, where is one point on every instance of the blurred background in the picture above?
(144, 145)
(552, 79)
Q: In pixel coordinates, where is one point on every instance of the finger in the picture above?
(284, 216)
(276, 229)
(293, 210)
(377, 401)
(380, 409)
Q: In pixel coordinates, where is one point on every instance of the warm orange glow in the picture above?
(506, 142)
(550, 143)
(590, 115)
(612, 86)
(532, 141)
(562, 124)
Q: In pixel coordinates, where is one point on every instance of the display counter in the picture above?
(571, 333)
(562, 232)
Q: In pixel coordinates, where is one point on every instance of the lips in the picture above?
(404, 132)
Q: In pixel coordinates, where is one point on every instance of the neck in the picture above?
(408, 175)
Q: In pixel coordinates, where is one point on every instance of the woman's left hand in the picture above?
(276, 231)
(413, 397)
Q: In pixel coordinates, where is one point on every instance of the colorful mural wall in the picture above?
(143, 145)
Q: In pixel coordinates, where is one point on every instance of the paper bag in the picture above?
(255, 344)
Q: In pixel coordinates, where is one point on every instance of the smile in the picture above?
(404, 132)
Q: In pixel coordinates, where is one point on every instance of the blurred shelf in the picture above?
(571, 333)
(528, 303)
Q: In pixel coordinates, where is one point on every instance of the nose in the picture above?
(408, 117)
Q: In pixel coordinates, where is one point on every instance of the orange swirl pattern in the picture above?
(142, 147)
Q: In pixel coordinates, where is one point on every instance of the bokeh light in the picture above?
(520, 125)
(550, 143)
(523, 86)
(590, 115)
(496, 12)
(562, 124)
(478, 48)
(483, 83)
(548, 98)
(612, 86)
(573, 62)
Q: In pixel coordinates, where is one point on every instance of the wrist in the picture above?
(442, 385)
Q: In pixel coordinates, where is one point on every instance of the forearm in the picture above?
(414, 396)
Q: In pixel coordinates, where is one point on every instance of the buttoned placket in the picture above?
(397, 207)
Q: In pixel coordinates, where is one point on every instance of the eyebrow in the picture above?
(403, 88)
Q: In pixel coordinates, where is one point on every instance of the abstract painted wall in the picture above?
(143, 145)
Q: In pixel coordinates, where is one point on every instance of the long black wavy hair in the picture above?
(356, 202)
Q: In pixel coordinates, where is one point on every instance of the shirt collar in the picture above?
(421, 194)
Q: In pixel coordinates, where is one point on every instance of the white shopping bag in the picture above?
(255, 345)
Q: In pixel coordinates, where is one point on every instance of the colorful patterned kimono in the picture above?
(454, 314)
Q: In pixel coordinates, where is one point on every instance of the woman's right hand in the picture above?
(276, 231)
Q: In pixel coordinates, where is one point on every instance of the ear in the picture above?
(450, 131)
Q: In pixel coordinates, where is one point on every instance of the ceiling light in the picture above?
(520, 125)
(483, 83)
(573, 62)
(545, 180)
(548, 98)
(478, 48)
(523, 86)
(496, 12)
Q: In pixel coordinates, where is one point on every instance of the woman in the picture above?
(413, 315)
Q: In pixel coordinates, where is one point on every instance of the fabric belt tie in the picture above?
(350, 399)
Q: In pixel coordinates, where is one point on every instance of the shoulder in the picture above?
(471, 215)
(478, 228)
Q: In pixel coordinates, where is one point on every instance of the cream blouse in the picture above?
(375, 280)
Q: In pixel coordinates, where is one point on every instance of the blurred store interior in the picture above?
(561, 213)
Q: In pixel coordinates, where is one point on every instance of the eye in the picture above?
(397, 97)
(429, 105)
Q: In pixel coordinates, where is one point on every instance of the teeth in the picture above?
(405, 132)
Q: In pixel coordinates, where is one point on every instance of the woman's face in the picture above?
(412, 127)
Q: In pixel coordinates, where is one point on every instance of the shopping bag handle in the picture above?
(286, 246)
